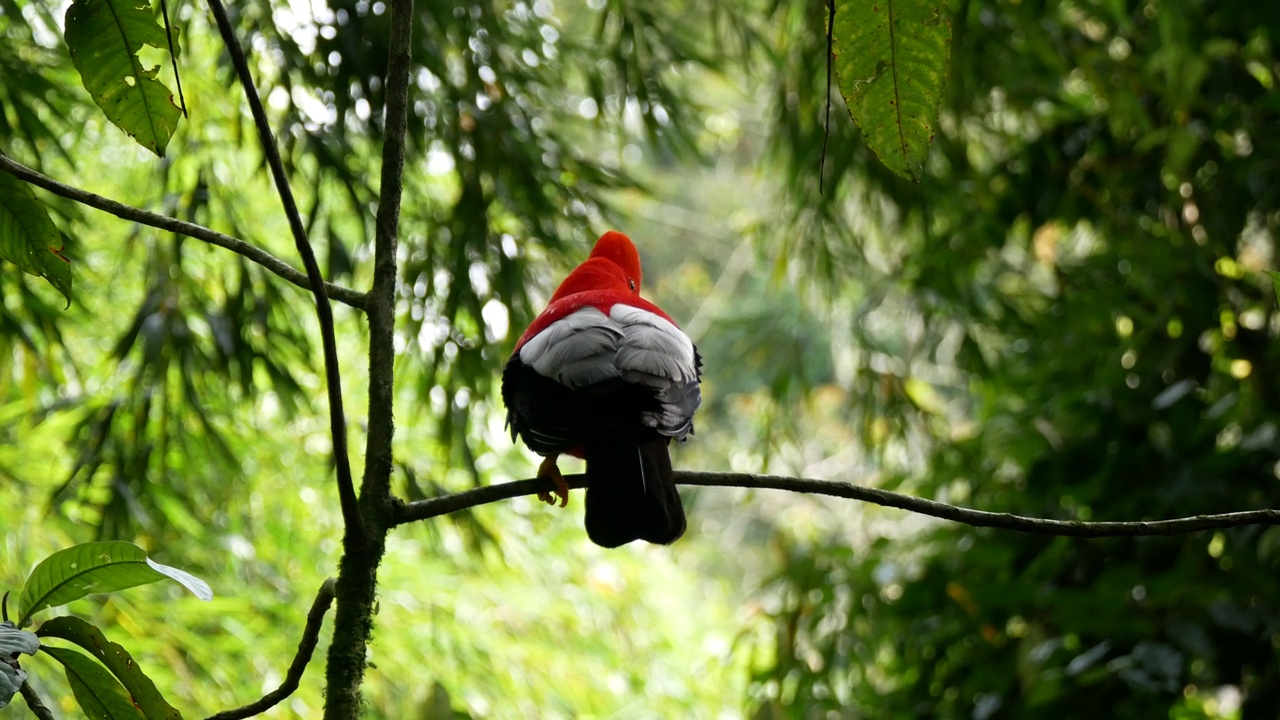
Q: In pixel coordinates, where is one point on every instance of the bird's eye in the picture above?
(632, 283)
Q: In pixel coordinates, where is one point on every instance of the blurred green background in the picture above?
(1068, 317)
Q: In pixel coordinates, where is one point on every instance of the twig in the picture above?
(423, 509)
(333, 378)
(173, 56)
(34, 703)
(826, 130)
(306, 646)
(191, 230)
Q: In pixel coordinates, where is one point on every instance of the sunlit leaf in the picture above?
(104, 37)
(923, 395)
(892, 57)
(198, 587)
(100, 695)
(116, 659)
(28, 238)
(95, 567)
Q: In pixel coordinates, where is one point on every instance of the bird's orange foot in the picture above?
(549, 470)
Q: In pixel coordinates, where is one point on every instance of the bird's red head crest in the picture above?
(612, 268)
(618, 249)
(610, 275)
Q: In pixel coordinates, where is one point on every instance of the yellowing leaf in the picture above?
(892, 58)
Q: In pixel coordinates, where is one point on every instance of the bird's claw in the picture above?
(549, 470)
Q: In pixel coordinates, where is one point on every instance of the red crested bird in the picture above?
(604, 375)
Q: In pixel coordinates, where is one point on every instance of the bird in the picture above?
(604, 375)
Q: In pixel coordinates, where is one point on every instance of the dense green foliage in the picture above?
(1079, 284)
(1068, 317)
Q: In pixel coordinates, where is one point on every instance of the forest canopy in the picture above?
(1054, 302)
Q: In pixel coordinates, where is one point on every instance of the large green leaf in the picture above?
(28, 238)
(892, 57)
(100, 695)
(140, 688)
(104, 37)
(95, 567)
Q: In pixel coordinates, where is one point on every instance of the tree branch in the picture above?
(34, 704)
(333, 378)
(306, 646)
(362, 553)
(423, 509)
(382, 301)
(191, 230)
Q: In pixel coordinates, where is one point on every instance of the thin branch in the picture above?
(333, 378)
(34, 703)
(445, 504)
(423, 509)
(306, 646)
(191, 230)
(382, 301)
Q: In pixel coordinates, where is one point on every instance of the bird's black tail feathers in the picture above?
(631, 492)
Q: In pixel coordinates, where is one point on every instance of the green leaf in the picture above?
(95, 567)
(28, 238)
(100, 695)
(892, 58)
(104, 37)
(1275, 282)
(142, 691)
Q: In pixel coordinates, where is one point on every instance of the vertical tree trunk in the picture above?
(362, 551)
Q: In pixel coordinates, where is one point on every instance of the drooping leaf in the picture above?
(100, 695)
(95, 567)
(104, 37)
(12, 643)
(28, 238)
(116, 659)
(892, 58)
(11, 679)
